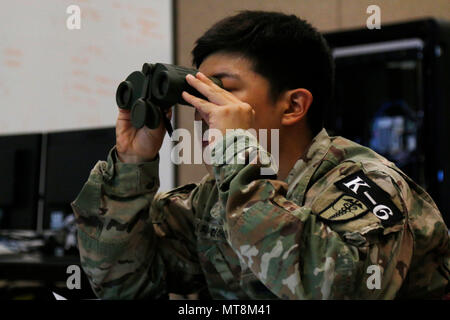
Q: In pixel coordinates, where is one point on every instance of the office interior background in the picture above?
(57, 88)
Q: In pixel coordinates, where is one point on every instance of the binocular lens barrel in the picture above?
(130, 90)
(148, 93)
(123, 95)
(169, 81)
(145, 113)
(161, 84)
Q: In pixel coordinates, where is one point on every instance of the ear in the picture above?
(298, 102)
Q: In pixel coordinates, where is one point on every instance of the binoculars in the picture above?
(151, 92)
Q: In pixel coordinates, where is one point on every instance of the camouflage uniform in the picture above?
(243, 235)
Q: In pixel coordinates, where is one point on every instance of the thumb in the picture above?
(124, 114)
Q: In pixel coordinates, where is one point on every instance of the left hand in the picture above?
(223, 110)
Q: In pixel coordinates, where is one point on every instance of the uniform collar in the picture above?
(300, 175)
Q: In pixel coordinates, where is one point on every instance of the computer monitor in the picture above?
(379, 101)
(70, 156)
(392, 92)
(20, 160)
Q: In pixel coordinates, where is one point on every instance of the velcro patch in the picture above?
(378, 201)
(344, 208)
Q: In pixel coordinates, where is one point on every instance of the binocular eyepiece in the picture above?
(151, 92)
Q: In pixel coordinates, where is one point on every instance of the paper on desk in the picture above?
(58, 297)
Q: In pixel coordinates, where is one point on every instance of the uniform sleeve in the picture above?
(121, 253)
(290, 250)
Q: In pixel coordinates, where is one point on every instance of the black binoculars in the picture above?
(151, 92)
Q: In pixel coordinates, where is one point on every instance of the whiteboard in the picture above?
(53, 78)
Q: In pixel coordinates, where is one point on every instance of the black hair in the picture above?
(284, 49)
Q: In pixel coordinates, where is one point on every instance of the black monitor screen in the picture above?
(379, 104)
(70, 158)
(20, 158)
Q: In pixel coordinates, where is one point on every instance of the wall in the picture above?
(195, 16)
(55, 79)
(67, 78)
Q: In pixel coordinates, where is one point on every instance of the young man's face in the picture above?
(248, 86)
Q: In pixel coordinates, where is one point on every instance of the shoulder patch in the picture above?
(378, 201)
(344, 208)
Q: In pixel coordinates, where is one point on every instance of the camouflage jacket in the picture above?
(346, 224)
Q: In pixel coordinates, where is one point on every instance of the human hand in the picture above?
(222, 110)
(137, 145)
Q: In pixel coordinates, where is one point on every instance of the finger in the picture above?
(210, 90)
(211, 83)
(204, 79)
(204, 107)
(124, 114)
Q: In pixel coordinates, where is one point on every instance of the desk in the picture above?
(49, 273)
(35, 266)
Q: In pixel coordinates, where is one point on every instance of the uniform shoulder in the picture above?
(360, 196)
(343, 149)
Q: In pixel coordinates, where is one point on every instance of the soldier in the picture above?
(335, 220)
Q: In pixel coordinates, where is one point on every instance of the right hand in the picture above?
(137, 145)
